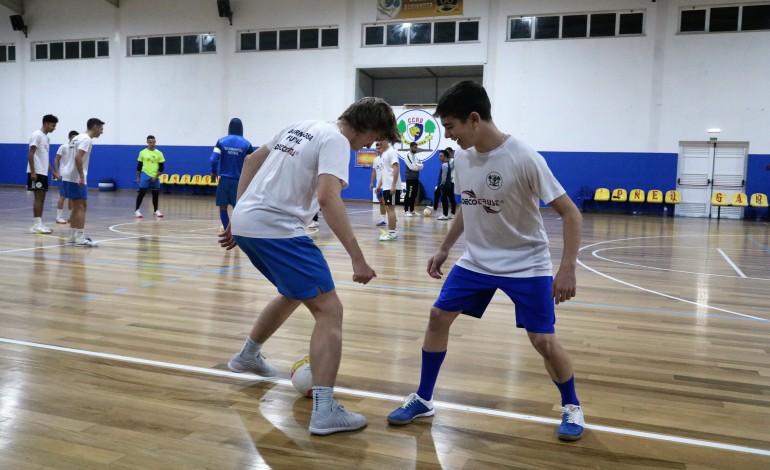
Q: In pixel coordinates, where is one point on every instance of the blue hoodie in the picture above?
(230, 151)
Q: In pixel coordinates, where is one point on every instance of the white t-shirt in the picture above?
(501, 192)
(41, 141)
(67, 167)
(389, 157)
(282, 198)
(377, 165)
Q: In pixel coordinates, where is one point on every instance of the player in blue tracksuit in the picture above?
(227, 163)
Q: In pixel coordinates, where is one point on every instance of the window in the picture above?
(406, 34)
(168, 45)
(7, 53)
(288, 39)
(720, 19)
(576, 25)
(74, 49)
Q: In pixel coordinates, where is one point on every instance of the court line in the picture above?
(396, 398)
(761, 245)
(730, 262)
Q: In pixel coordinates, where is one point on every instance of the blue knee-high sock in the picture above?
(431, 364)
(567, 390)
(224, 218)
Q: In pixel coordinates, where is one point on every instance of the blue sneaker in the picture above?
(572, 422)
(413, 407)
(382, 223)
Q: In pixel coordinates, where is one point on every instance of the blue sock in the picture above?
(224, 218)
(567, 390)
(431, 364)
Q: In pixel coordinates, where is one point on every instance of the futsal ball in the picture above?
(428, 211)
(301, 377)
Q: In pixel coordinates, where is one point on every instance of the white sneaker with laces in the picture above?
(337, 420)
(60, 220)
(388, 237)
(257, 365)
(42, 229)
(313, 224)
(158, 214)
(138, 214)
(408, 214)
(85, 242)
(442, 217)
(451, 216)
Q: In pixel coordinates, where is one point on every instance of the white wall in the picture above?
(636, 94)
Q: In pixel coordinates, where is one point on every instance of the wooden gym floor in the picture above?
(114, 357)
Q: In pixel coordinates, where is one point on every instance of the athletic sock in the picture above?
(59, 213)
(567, 390)
(224, 218)
(251, 348)
(323, 399)
(80, 233)
(73, 233)
(431, 364)
(38, 221)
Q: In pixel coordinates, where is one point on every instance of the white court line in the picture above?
(66, 245)
(730, 262)
(383, 396)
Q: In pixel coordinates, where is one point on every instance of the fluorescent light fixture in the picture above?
(714, 130)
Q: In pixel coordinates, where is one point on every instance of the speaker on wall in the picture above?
(17, 23)
(224, 10)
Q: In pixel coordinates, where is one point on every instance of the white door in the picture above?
(706, 167)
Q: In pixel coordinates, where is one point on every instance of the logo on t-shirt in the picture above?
(494, 180)
(491, 206)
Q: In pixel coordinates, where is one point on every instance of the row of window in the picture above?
(587, 25)
(173, 45)
(83, 49)
(289, 39)
(438, 32)
(725, 19)
(7, 53)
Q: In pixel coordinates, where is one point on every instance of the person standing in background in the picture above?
(38, 166)
(61, 154)
(151, 164)
(412, 174)
(227, 163)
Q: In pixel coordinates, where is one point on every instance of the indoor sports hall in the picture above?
(651, 114)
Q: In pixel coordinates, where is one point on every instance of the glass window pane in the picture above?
(575, 26)
(468, 31)
(155, 46)
(521, 28)
(755, 18)
(102, 48)
(724, 19)
(444, 32)
(88, 49)
(603, 25)
(547, 27)
(41, 51)
(397, 34)
(693, 20)
(57, 50)
(208, 43)
(173, 45)
(138, 47)
(287, 39)
(330, 37)
(419, 33)
(3, 56)
(268, 40)
(72, 49)
(11, 53)
(308, 38)
(631, 23)
(191, 44)
(374, 35)
(249, 41)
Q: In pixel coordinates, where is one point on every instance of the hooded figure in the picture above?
(227, 162)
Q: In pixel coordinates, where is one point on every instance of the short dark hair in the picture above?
(372, 114)
(462, 99)
(444, 153)
(50, 118)
(449, 150)
(94, 122)
(150, 137)
(72, 134)
(413, 143)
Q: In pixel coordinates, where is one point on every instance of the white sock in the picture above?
(38, 221)
(323, 399)
(59, 213)
(80, 233)
(72, 234)
(251, 348)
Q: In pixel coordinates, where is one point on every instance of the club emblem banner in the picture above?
(409, 9)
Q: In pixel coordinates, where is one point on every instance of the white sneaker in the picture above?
(313, 224)
(138, 215)
(337, 420)
(85, 242)
(451, 216)
(414, 214)
(60, 220)
(41, 229)
(158, 214)
(442, 217)
(388, 237)
(257, 365)
(409, 214)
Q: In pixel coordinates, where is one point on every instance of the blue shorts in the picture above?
(144, 181)
(72, 190)
(294, 265)
(227, 191)
(380, 194)
(470, 292)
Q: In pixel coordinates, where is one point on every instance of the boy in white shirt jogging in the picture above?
(310, 160)
(501, 181)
